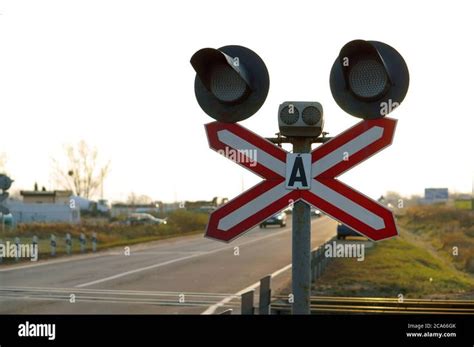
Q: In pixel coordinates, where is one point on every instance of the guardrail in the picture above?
(318, 265)
(319, 262)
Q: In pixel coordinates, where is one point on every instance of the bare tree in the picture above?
(81, 171)
(135, 199)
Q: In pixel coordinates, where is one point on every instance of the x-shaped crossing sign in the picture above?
(289, 177)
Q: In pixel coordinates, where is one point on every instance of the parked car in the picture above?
(207, 209)
(144, 218)
(343, 231)
(276, 219)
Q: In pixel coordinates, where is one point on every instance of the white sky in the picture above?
(117, 74)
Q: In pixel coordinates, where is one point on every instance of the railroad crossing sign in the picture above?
(289, 177)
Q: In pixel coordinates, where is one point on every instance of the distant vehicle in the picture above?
(315, 212)
(103, 206)
(343, 231)
(207, 209)
(144, 218)
(276, 219)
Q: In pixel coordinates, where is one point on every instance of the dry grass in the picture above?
(418, 264)
(450, 231)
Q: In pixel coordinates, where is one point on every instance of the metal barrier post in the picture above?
(247, 303)
(265, 295)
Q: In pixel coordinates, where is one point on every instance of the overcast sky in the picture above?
(117, 74)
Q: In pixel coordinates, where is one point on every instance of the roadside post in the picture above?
(368, 80)
(94, 242)
(68, 244)
(53, 245)
(17, 245)
(265, 296)
(82, 241)
(34, 242)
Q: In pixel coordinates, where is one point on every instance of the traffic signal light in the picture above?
(300, 118)
(5, 184)
(369, 79)
(231, 82)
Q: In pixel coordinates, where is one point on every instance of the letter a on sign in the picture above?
(298, 171)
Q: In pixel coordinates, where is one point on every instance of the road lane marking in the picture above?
(126, 273)
(55, 261)
(157, 253)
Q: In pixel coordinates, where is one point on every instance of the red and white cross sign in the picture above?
(289, 177)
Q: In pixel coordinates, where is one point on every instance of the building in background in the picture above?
(46, 197)
(44, 207)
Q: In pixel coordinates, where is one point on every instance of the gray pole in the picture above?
(301, 244)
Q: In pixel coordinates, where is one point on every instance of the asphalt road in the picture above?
(182, 275)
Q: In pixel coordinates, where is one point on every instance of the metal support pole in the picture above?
(324, 260)
(301, 244)
(314, 265)
(320, 263)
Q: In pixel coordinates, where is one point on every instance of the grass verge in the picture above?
(394, 267)
(109, 235)
(432, 258)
